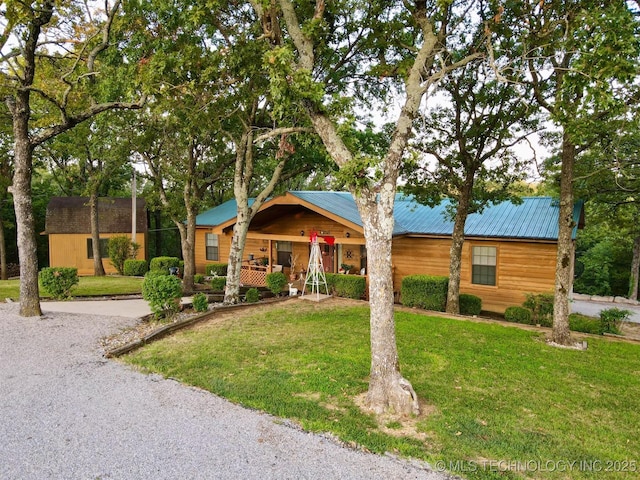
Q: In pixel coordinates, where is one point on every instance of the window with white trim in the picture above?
(483, 269)
(211, 245)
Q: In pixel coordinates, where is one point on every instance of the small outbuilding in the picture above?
(68, 225)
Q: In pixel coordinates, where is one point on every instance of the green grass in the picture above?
(496, 394)
(88, 286)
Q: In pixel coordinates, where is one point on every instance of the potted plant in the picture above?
(345, 268)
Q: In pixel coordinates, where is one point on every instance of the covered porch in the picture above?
(266, 253)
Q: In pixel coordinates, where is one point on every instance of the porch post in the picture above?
(270, 256)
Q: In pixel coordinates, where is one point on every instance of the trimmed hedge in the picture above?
(162, 264)
(425, 291)
(252, 295)
(346, 286)
(518, 315)
(135, 268)
(218, 284)
(198, 278)
(470, 304)
(200, 302)
(276, 282)
(163, 293)
(58, 281)
(219, 269)
(541, 306)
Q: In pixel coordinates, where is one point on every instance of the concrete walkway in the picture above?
(137, 308)
(592, 306)
(129, 308)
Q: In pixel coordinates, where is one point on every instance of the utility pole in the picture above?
(134, 209)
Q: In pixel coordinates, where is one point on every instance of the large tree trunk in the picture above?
(21, 190)
(455, 252)
(98, 267)
(3, 250)
(240, 230)
(242, 177)
(564, 261)
(188, 242)
(388, 390)
(23, 162)
(635, 270)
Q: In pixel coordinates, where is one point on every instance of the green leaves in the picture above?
(290, 86)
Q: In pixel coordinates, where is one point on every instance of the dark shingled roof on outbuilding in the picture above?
(72, 215)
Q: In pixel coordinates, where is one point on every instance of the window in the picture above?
(211, 245)
(363, 257)
(104, 248)
(484, 266)
(284, 250)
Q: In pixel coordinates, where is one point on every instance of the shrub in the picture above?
(163, 293)
(219, 269)
(518, 315)
(541, 306)
(155, 273)
(135, 268)
(58, 281)
(200, 302)
(163, 264)
(218, 283)
(584, 324)
(349, 286)
(425, 291)
(276, 282)
(198, 278)
(331, 278)
(610, 319)
(121, 248)
(252, 295)
(470, 304)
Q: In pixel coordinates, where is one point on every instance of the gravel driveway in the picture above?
(67, 413)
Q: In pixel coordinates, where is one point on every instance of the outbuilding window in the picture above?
(104, 248)
(484, 265)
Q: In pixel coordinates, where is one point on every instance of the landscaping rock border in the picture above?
(596, 298)
(183, 323)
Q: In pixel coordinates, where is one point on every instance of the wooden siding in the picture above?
(288, 229)
(70, 250)
(521, 267)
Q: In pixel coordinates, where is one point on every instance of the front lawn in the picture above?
(500, 402)
(87, 287)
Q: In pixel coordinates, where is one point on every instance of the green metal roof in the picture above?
(536, 218)
(220, 214)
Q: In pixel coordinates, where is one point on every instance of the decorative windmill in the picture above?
(315, 278)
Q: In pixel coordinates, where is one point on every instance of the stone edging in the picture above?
(595, 298)
(172, 327)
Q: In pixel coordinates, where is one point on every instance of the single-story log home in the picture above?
(68, 225)
(510, 250)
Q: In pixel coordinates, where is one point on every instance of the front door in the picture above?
(328, 257)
